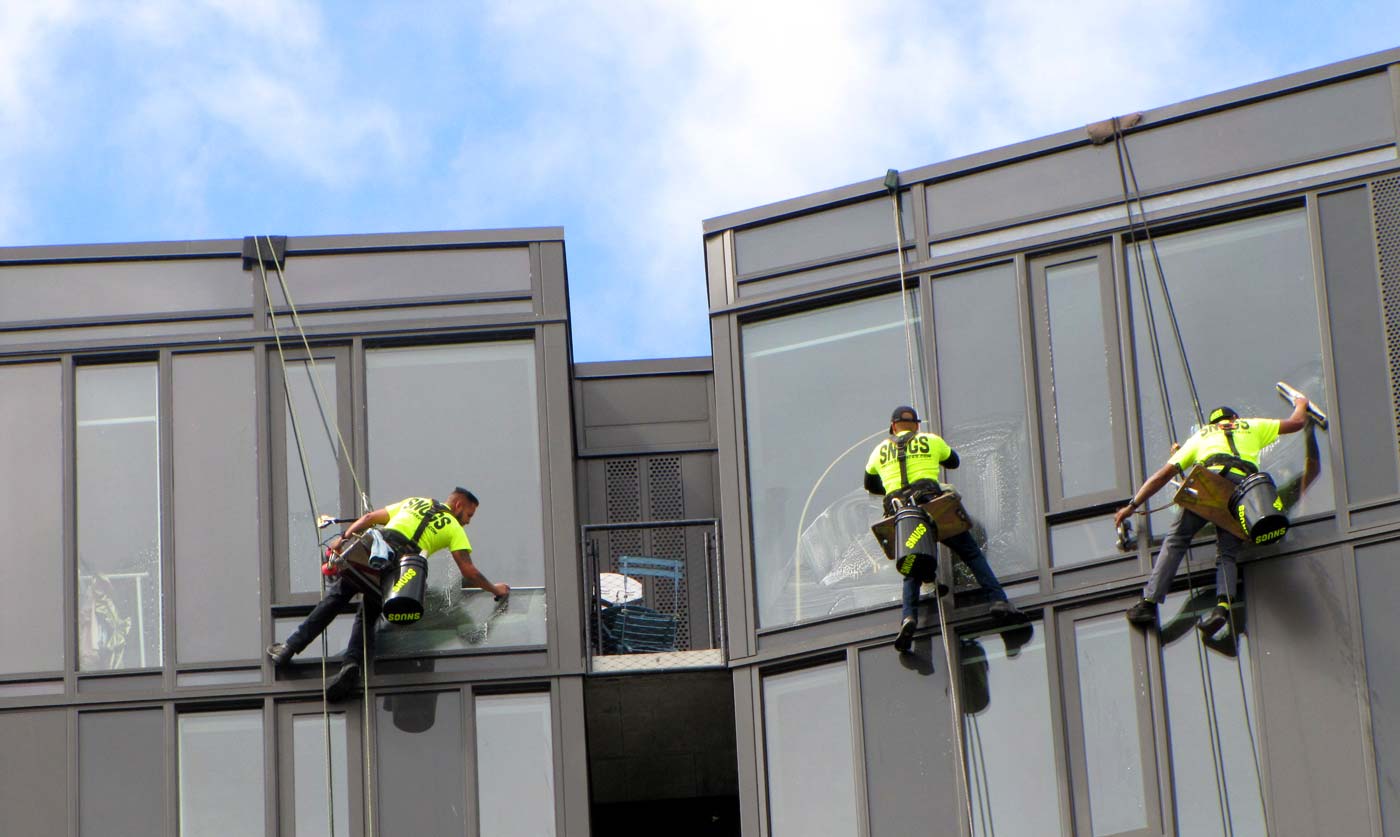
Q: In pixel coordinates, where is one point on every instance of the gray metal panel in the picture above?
(738, 569)
(114, 289)
(34, 779)
(121, 779)
(571, 746)
(1378, 577)
(810, 238)
(553, 280)
(1312, 734)
(642, 413)
(344, 278)
(1358, 345)
(562, 559)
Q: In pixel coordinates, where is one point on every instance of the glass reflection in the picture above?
(1268, 261)
(309, 775)
(514, 765)
(1082, 541)
(807, 721)
(319, 444)
(119, 586)
(221, 774)
(1008, 733)
(813, 552)
(1109, 714)
(1213, 757)
(420, 764)
(1079, 376)
(983, 410)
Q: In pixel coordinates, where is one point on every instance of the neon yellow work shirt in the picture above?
(1250, 436)
(443, 530)
(922, 455)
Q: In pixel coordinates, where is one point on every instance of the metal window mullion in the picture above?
(68, 449)
(862, 788)
(264, 460)
(472, 790)
(1341, 498)
(165, 447)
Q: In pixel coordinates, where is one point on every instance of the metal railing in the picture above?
(653, 587)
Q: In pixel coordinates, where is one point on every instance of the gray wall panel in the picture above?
(1312, 733)
(1358, 346)
(1338, 118)
(121, 767)
(1378, 577)
(370, 276)
(34, 780)
(114, 289)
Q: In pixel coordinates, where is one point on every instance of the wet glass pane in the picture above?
(31, 443)
(812, 549)
(1079, 372)
(221, 774)
(983, 402)
(119, 601)
(1109, 713)
(121, 773)
(314, 399)
(514, 765)
(1007, 731)
(1247, 307)
(311, 810)
(806, 722)
(480, 403)
(216, 580)
(1082, 541)
(420, 764)
(1209, 687)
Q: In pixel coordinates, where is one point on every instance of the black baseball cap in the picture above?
(1220, 414)
(903, 414)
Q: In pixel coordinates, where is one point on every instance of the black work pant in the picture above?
(338, 594)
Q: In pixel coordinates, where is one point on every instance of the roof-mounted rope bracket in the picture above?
(1101, 132)
(273, 249)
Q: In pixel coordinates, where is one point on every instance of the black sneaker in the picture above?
(1143, 614)
(344, 684)
(280, 653)
(1007, 613)
(1215, 619)
(905, 639)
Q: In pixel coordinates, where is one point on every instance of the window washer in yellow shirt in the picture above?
(1230, 446)
(903, 467)
(412, 525)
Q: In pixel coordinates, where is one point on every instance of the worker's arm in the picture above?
(1298, 420)
(378, 517)
(470, 573)
(874, 485)
(1153, 484)
(952, 461)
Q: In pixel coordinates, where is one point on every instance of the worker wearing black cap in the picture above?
(412, 525)
(907, 464)
(1230, 446)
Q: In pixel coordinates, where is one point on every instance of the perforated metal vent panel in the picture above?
(1385, 196)
(667, 502)
(622, 488)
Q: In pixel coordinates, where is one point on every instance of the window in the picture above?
(818, 390)
(215, 478)
(466, 415)
(982, 401)
(1246, 302)
(31, 446)
(306, 735)
(1377, 577)
(221, 774)
(121, 772)
(514, 765)
(119, 569)
(420, 764)
(807, 721)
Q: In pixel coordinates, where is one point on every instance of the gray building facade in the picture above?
(177, 415)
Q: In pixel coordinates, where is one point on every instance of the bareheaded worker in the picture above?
(414, 525)
(905, 466)
(1230, 446)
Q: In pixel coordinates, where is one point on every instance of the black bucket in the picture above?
(403, 592)
(915, 544)
(1257, 506)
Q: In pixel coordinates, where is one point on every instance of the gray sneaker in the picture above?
(905, 639)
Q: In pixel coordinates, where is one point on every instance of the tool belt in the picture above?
(939, 505)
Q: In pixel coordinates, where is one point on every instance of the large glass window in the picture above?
(1210, 702)
(311, 408)
(119, 586)
(981, 396)
(465, 415)
(215, 459)
(121, 772)
(1246, 302)
(514, 765)
(312, 809)
(818, 390)
(419, 762)
(31, 446)
(221, 774)
(1007, 732)
(806, 722)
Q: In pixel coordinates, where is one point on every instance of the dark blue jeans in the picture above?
(337, 595)
(966, 548)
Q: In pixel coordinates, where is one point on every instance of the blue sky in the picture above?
(627, 123)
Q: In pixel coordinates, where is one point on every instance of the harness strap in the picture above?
(437, 509)
(900, 443)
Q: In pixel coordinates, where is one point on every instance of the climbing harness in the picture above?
(1127, 174)
(343, 454)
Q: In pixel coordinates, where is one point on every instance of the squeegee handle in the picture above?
(1288, 393)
